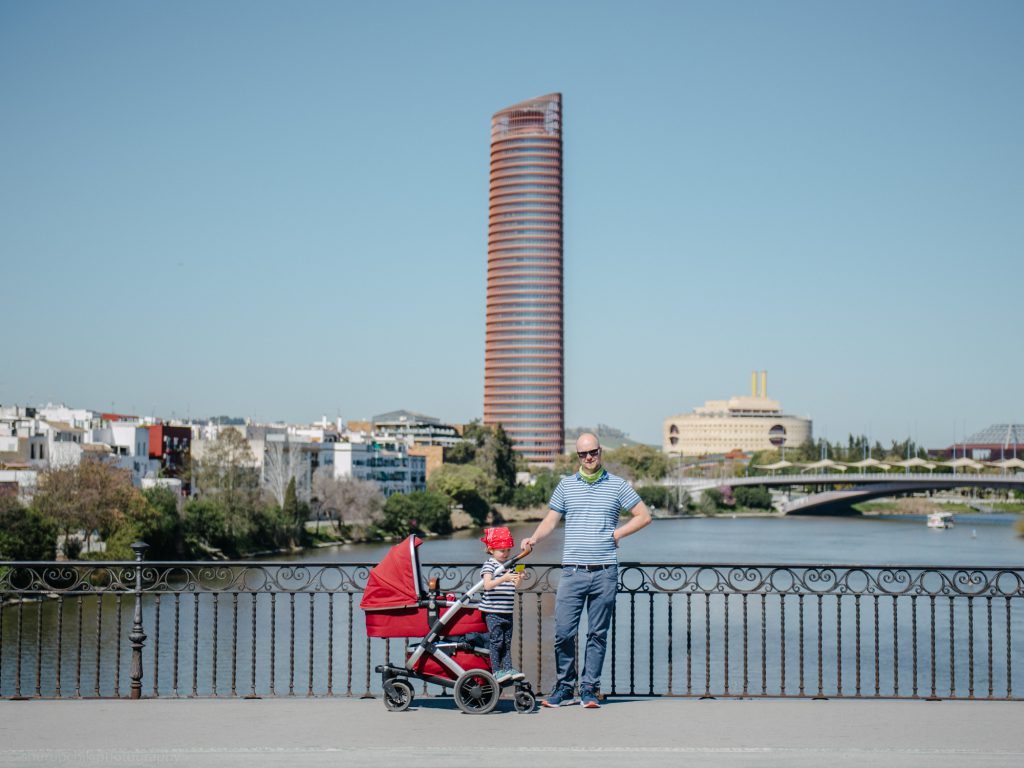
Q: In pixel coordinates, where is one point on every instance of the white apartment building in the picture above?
(415, 429)
(83, 418)
(21, 443)
(63, 442)
(129, 448)
(386, 463)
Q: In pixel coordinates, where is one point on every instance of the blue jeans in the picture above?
(499, 625)
(576, 589)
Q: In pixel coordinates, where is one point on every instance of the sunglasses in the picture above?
(592, 454)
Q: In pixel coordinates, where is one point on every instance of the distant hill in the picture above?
(610, 437)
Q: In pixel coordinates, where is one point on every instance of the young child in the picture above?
(498, 601)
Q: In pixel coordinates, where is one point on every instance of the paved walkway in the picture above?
(433, 733)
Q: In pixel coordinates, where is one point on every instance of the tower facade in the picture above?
(523, 360)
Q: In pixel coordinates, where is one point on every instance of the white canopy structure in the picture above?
(869, 464)
(824, 464)
(1014, 463)
(963, 463)
(777, 465)
(915, 462)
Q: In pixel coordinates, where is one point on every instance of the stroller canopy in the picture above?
(395, 581)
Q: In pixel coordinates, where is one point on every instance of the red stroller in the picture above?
(397, 603)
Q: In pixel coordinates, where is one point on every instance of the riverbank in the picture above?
(924, 506)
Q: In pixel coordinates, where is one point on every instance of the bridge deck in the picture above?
(310, 732)
(922, 479)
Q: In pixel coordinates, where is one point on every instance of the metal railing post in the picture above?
(137, 637)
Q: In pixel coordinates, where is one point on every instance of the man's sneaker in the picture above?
(588, 697)
(560, 697)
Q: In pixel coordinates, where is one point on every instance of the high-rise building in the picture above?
(523, 366)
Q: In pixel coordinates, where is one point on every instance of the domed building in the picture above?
(753, 423)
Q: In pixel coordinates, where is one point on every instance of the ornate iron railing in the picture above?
(132, 629)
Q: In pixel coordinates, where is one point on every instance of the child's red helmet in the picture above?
(497, 538)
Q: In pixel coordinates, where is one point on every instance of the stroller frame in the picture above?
(475, 689)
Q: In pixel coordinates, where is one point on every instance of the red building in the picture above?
(994, 443)
(523, 359)
(171, 445)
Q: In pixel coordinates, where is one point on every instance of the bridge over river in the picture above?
(852, 487)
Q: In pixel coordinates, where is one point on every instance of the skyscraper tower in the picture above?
(523, 381)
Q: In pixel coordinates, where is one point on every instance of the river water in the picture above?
(974, 540)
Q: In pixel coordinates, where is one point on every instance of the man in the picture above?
(590, 501)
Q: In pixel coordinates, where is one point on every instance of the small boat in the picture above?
(940, 520)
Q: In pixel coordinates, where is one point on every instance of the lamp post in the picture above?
(679, 481)
(137, 636)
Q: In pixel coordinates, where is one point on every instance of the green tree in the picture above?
(417, 512)
(492, 450)
(566, 464)
(399, 515)
(156, 522)
(538, 492)
(660, 497)
(25, 534)
(290, 518)
(274, 528)
(290, 508)
(205, 528)
(711, 501)
(497, 458)
(753, 497)
(466, 485)
(92, 495)
(227, 473)
(643, 462)
(807, 451)
(476, 432)
(460, 453)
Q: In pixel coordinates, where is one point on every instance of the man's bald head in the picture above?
(588, 449)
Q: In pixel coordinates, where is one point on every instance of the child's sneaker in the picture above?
(588, 697)
(509, 675)
(560, 697)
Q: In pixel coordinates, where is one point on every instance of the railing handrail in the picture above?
(473, 563)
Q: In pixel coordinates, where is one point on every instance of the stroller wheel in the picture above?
(476, 692)
(398, 695)
(525, 702)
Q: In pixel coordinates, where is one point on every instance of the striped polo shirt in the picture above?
(501, 599)
(591, 514)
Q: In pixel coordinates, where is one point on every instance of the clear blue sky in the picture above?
(279, 210)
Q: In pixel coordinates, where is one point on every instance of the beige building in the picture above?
(752, 423)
